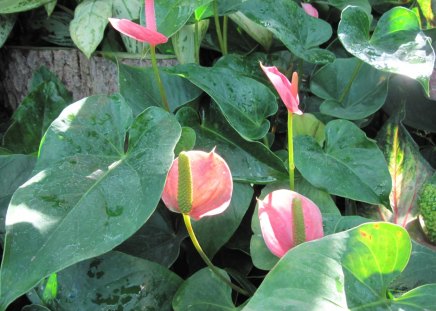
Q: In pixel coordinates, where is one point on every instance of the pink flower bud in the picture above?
(278, 223)
(140, 33)
(212, 184)
(288, 91)
(309, 9)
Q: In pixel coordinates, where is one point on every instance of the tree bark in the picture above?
(81, 76)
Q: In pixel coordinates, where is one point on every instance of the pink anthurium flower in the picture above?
(309, 9)
(277, 216)
(140, 33)
(288, 91)
(212, 184)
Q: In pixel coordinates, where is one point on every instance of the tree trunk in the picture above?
(81, 76)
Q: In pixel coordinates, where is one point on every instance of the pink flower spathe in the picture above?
(212, 184)
(140, 33)
(309, 9)
(277, 224)
(288, 91)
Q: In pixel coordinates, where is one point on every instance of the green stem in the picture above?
(225, 26)
(218, 26)
(290, 152)
(157, 76)
(348, 86)
(196, 44)
(214, 269)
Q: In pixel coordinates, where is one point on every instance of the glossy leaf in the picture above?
(348, 270)
(420, 111)
(397, 45)
(88, 193)
(14, 6)
(139, 87)
(114, 281)
(186, 141)
(17, 168)
(49, 7)
(256, 31)
(7, 22)
(35, 308)
(301, 33)
(422, 260)
(214, 232)
(351, 165)
(307, 124)
(408, 169)
(171, 15)
(157, 240)
(245, 103)
(87, 27)
(350, 88)
(38, 109)
(248, 161)
(204, 291)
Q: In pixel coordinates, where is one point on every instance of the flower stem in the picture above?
(157, 76)
(214, 269)
(218, 27)
(225, 31)
(197, 43)
(291, 164)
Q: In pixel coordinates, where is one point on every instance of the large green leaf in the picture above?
(351, 165)
(91, 191)
(397, 45)
(214, 232)
(114, 281)
(350, 88)
(38, 109)
(248, 161)
(90, 20)
(419, 268)
(15, 169)
(13, 6)
(350, 270)
(204, 291)
(420, 111)
(7, 22)
(158, 240)
(301, 33)
(171, 15)
(139, 87)
(408, 169)
(245, 102)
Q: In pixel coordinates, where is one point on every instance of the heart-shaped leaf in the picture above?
(114, 281)
(171, 15)
(246, 103)
(90, 20)
(409, 170)
(350, 270)
(140, 89)
(350, 88)
(248, 161)
(157, 240)
(17, 168)
(351, 165)
(301, 33)
(397, 45)
(91, 189)
(204, 291)
(48, 97)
